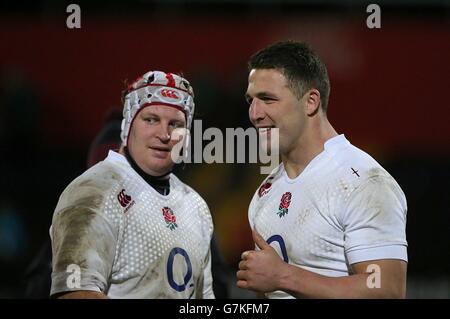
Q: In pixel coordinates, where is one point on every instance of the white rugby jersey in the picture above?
(128, 240)
(342, 209)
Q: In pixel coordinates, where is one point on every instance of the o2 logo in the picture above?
(178, 251)
(282, 245)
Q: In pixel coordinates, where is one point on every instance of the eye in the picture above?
(248, 98)
(150, 120)
(175, 125)
(268, 100)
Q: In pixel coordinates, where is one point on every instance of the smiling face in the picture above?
(150, 141)
(273, 105)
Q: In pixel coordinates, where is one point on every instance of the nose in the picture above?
(163, 133)
(256, 112)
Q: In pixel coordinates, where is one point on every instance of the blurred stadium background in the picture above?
(389, 96)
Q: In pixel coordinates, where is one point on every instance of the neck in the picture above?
(150, 178)
(308, 146)
(160, 183)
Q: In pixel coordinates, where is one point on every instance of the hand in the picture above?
(260, 270)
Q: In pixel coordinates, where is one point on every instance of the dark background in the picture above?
(389, 96)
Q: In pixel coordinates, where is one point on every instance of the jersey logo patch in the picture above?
(169, 218)
(125, 200)
(265, 188)
(284, 204)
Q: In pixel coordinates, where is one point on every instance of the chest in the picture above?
(299, 222)
(157, 231)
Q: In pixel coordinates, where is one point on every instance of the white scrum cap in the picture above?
(157, 88)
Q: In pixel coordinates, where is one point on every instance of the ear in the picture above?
(312, 102)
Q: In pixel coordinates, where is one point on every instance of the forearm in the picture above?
(301, 283)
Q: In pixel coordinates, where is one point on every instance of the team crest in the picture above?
(169, 218)
(284, 204)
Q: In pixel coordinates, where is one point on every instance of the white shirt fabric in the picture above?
(344, 209)
(122, 235)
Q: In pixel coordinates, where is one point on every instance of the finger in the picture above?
(241, 275)
(259, 240)
(244, 255)
(243, 265)
(242, 284)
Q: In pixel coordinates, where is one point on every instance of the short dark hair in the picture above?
(300, 65)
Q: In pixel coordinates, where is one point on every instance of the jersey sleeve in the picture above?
(205, 287)
(83, 244)
(208, 292)
(374, 221)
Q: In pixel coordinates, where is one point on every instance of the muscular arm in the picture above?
(82, 294)
(82, 237)
(362, 284)
(265, 271)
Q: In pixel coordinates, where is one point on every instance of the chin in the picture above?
(160, 167)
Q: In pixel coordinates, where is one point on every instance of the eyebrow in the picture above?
(261, 95)
(145, 113)
(177, 121)
(150, 113)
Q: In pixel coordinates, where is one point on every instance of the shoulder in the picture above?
(364, 175)
(189, 193)
(345, 170)
(194, 203)
(92, 187)
(348, 164)
(380, 188)
(180, 186)
(367, 170)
